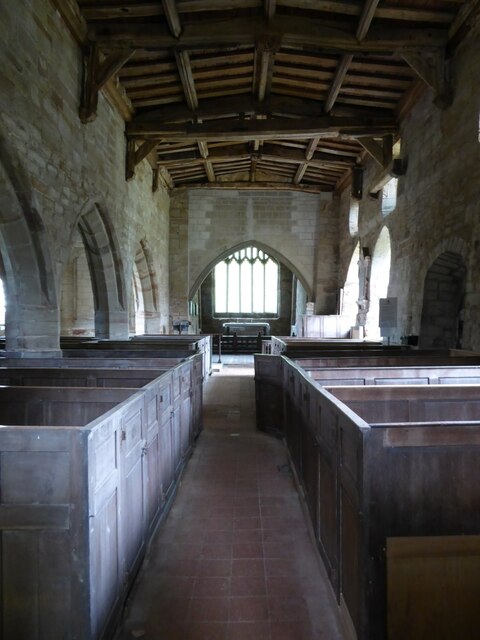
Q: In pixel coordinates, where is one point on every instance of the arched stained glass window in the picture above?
(246, 282)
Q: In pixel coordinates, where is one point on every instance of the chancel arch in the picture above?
(263, 247)
(265, 289)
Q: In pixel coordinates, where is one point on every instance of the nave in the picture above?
(235, 558)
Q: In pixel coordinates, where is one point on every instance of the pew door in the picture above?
(433, 588)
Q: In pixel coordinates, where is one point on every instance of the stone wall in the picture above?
(54, 169)
(299, 230)
(438, 204)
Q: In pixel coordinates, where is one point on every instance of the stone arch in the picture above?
(351, 287)
(77, 310)
(453, 244)
(32, 318)
(353, 215)
(2, 299)
(389, 197)
(106, 272)
(146, 289)
(441, 323)
(260, 245)
(378, 281)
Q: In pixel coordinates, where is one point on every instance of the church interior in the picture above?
(238, 258)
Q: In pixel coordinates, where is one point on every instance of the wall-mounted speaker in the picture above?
(357, 182)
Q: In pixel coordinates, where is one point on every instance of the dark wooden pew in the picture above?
(383, 467)
(147, 346)
(269, 372)
(288, 345)
(361, 376)
(86, 475)
(63, 377)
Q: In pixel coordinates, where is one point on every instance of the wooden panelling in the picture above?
(79, 502)
(407, 478)
(433, 587)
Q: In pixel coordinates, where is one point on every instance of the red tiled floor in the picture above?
(247, 523)
(207, 586)
(248, 536)
(214, 567)
(206, 631)
(247, 586)
(249, 631)
(212, 609)
(293, 631)
(248, 550)
(234, 559)
(287, 608)
(248, 567)
(248, 609)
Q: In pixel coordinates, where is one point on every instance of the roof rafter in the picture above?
(275, 152)
(366, 18)
(171, 14)
(247, 90)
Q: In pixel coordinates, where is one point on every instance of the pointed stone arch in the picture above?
(32, 318)
(351, 287)
(106, 272)
(250, 243)
(145, 290)
(378, 282)
(453, 244)
(441, 323)
(77, 309)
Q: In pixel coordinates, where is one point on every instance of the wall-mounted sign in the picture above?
(388, 313)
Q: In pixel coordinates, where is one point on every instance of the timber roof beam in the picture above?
(433, 69)
(265, 91)
(291, 31)
(241, 129)
(97, 71)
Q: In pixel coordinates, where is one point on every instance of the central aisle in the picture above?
(234, 559)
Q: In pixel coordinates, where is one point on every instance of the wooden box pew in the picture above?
(173, 342)
(269, 372)
(115, 372)
(134, 352)
(63, 377)
(86, 362)
(361, 376)
(157, 346)
(369, 358)
(379, 464)
(125, 352)
(74, 340)
(284, 344)
(86, 475)
(203, 344)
